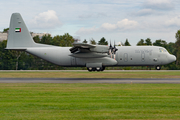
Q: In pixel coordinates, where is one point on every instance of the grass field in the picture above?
(22, 101)
(32, 101)
(86, 74)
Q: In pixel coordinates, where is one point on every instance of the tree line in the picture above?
(17, 60)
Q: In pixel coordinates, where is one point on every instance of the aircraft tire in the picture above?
(158, 67)
(98, 69)
(90, 69)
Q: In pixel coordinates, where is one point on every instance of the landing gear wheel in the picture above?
(158, 67)
(98, 69)
(90, 69)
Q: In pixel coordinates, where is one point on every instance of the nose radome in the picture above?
(172, 58)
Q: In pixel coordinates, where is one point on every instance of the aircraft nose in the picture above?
(172, 58)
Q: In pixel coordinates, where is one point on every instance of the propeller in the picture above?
(110, 47)
(112, 50)
(115, 49)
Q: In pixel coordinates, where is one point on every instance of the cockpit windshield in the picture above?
(162, 50)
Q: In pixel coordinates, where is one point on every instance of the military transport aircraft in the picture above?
(94, 57)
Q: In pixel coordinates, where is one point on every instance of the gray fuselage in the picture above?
(125, 56)
(94, 57)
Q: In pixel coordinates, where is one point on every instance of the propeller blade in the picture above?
(110, 47)
(115, 49)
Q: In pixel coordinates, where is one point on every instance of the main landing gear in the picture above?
(90, 69)
(158, 67)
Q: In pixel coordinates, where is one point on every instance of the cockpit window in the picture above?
(162, 50)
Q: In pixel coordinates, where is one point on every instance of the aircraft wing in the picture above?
(83, 50)
(77, 47)
(84, 45)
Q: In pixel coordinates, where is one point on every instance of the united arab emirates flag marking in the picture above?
(17, 29)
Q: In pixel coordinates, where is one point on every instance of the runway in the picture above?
(92, 80)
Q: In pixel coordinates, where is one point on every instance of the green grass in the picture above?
(23, 101)
(86, 74)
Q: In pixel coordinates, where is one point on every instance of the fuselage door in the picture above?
(143, 57)
(125, 57)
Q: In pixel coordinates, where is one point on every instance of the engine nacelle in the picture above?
(100, 49)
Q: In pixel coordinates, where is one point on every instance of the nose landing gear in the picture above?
(158, 67)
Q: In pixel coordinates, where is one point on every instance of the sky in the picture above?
(115, 20)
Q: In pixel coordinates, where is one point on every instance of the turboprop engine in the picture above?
(100, 49)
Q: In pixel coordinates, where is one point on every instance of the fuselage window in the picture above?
(162, 50)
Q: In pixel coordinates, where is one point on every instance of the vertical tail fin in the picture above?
(19, 37)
